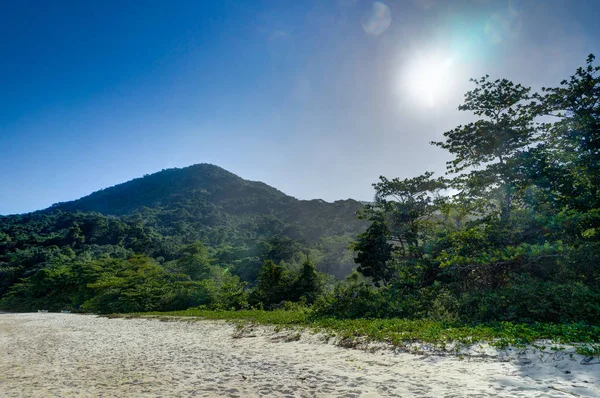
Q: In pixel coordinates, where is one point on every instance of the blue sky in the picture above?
(317, 98)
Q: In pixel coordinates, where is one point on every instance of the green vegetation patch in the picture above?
(402, 332)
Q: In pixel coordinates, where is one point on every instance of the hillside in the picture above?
(205, 196)
(197, 184)
(241, 223)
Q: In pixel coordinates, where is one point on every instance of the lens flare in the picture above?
(501, 27)
(377, 20)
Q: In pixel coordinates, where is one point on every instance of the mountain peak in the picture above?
(167, 187)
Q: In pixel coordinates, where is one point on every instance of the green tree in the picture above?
(488, 152)
(568, 162)
(271, 284)
(134, 285)
(282, 249)
(309, 283)
(75, 235)
(408, 206)
(401, 222)
(195, 261)
(373, 250)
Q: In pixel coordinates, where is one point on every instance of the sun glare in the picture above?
(428, 78)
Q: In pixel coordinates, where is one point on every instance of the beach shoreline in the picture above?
(48, 354)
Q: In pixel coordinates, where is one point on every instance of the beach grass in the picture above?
(403, 332)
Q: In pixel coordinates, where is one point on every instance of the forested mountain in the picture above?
(229, 223)
(198, 198)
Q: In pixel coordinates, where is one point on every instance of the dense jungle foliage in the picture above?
(510, 233)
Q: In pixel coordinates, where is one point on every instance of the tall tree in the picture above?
(195, 261)
(488, 151)
(271, 283)
(400, 222)
(569, 160)
(309, 283)
(373, 250)
(409, 205)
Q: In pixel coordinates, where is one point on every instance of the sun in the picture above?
(428, 78)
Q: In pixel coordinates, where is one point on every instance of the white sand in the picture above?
(68, 355)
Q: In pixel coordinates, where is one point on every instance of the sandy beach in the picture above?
(69, 355)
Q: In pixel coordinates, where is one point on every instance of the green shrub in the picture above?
(526, 299)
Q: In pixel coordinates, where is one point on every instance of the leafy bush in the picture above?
(526, 299)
